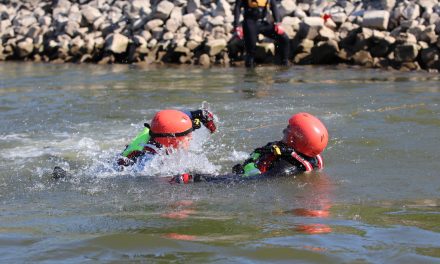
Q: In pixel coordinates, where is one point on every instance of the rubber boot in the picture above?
(284, 62)
(249, 62)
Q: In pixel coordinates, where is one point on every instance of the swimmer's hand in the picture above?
(184, 178)
(278, 29)
(206, 117)
(238, 169)
(238, 32)
(59, 173)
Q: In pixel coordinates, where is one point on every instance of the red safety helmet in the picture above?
(306, 134)
(171, 128)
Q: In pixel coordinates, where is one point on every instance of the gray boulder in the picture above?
(163, 10)
(77, 46)
(326, 34)
(310, 26)
(293, 22)
(189, 20)
(302, 58)
(172, 25)
(417, 31)
(90, 13)
(412, 11)
(168, 36)
(204, 60)
(141, 44)
(430, 58)
(192, 45)
(339, 17)
(363, 58)
(215, 46)
(305, 46)
(99, 43)
(157, 33)
(192, 6)
(140, 6)
(376, 19)
(152, 24)
(406, 52)
(388, 5)
(25, 21)
(429, 35)
(25, 47)
(223, 9)
(286, 7)
(301, 14)
(427, 4)
(71, 28)
(217, 21)
(116, 43)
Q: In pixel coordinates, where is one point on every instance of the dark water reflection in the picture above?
(377, 200)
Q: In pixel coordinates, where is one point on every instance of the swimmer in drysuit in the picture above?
(304, 139)
(169, 129)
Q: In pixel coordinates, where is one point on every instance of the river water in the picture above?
(377, 200)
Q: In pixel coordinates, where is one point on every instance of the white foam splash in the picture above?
(193, 160)
(25, 152)
(86, 154)
(13, 137)
(236, 156)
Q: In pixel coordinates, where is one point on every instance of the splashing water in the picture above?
(380, 185)
(194, 160)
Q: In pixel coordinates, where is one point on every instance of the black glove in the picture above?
(59, 173)
(238, 169)
(124, 161)
(204, 116)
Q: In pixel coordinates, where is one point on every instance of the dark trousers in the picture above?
(253, 27)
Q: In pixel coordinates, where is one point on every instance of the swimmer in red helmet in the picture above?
(303, 141)
(169, 129)
(300, 150)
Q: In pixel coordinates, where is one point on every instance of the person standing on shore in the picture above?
(255, 23)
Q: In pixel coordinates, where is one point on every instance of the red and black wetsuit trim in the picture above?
(268, 159)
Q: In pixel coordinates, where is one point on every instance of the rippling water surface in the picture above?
(377, 201)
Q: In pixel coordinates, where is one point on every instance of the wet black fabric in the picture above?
(272, 161)
(254, 13)
(283, 169)
(252, 28)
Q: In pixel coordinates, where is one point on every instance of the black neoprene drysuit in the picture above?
(254, 23)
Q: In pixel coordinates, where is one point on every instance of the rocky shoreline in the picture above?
(394, 34)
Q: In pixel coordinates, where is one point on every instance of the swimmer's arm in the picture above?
(192, 178)
(249, 167)
(202, 116)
